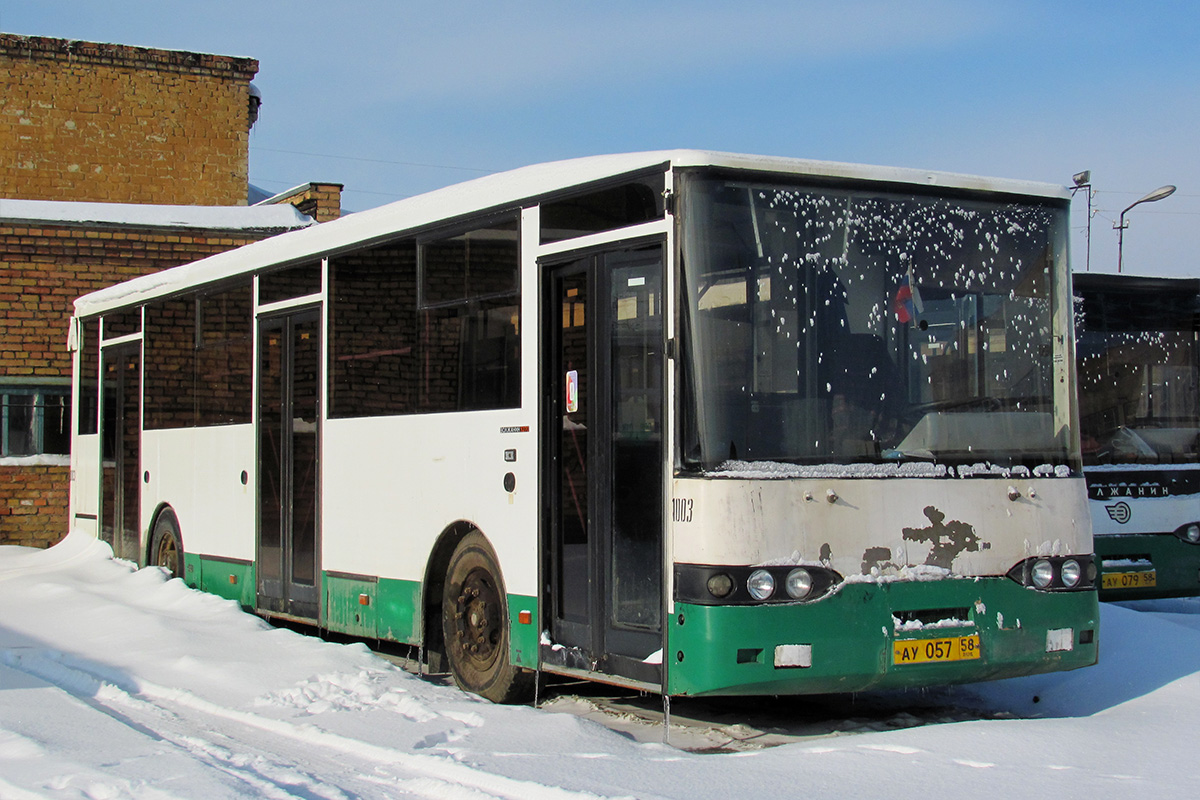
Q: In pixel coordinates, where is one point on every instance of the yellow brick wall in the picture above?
(109, 123)
(33, 504)
(43, 268)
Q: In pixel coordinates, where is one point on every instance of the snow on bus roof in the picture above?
(507, 188)
(223, 218)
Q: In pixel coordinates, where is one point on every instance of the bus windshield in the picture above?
(826, 325)
(1139, 370)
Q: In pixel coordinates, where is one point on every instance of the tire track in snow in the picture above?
(434, 777)
(260, 773)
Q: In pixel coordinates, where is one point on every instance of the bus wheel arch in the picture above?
(431, 593)
(166, 542)
(472, 622)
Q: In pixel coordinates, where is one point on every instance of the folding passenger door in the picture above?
(121, 437)
(603, 377)
(288, 437)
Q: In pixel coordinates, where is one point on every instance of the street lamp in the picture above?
(1083, 180)
(1157, 194)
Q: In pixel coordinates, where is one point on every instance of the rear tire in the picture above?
(475, 625)
(166, 545)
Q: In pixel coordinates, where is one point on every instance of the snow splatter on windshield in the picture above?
(847, 326)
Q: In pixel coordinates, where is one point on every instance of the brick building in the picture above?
(115, 162)
(82, 121)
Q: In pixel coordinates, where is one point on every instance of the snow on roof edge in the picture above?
(231, 218)
(508, 188)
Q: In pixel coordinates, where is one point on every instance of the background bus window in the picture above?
(1138, 346)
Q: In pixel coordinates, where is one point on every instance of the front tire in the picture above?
(166, 545)
(475, 625)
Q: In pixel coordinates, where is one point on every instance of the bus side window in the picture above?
(470, 319)
(373, 331)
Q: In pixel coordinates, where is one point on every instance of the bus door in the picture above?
(603, 372)
(288, 425)
(121, 434)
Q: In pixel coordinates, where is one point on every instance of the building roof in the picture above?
(277, 218)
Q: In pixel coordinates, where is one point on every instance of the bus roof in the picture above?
(502, 189)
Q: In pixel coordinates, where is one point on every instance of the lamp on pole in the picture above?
(1083, 180)
(1157, 194)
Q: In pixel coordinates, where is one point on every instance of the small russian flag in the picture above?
(903, 302)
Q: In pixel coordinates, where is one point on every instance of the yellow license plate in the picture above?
(1129, 580)
(925, 651)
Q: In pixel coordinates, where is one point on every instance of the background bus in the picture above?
(690, 422)
(1139, 397)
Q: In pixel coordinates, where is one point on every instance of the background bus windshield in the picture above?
(1139, 382)
(836, 326)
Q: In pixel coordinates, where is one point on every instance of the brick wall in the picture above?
(109, 123)
(33, 504)
(43, 268)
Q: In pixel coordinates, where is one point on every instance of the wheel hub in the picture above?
(476, 615)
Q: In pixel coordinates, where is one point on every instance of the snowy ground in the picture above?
(116, 683)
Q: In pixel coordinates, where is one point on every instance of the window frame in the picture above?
(39, 392)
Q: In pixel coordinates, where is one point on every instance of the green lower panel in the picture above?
(233, 580)
(1176, 566)
(399, 611)
(523, 638)
(350, 605)
(391, 609)
(847, 640)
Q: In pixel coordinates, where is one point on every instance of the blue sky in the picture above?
(396, 98)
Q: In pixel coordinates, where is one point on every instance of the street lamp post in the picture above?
(1083, 180)
(1157, 194)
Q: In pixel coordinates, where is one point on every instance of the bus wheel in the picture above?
(475, 625)
(166, 547)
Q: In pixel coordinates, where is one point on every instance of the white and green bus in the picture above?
(690, 422)
(1138, 348)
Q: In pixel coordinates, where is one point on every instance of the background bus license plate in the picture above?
(924, 651)
(1129, 580)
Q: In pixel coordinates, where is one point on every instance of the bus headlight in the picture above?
(798, 583)
(720, 585)
(1192, 533)
(1071, 573)
(760, 584)
(1042, 573)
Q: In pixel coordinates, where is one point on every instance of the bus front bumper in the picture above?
(881, 635)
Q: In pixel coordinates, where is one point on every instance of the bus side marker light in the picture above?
(364, 600)
(1060, 640)
(525, 617)
(233, 579)
(788, 656)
